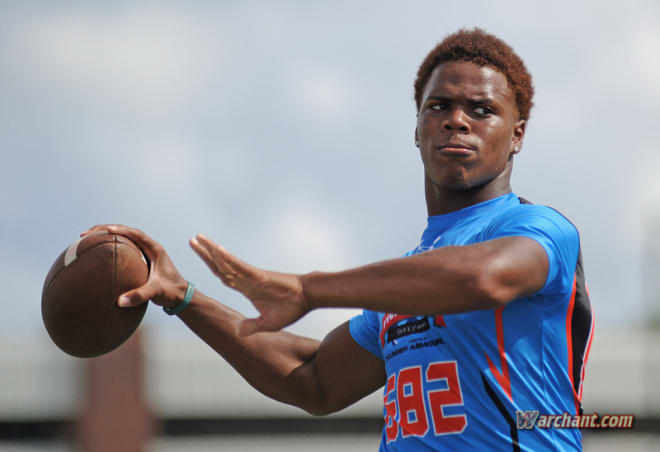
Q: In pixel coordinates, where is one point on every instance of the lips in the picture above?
(456, 149)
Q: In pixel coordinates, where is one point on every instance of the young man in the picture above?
(486, 316)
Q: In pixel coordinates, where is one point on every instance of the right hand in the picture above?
(278, 297)
(165, 285)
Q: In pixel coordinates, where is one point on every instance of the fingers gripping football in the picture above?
(165, 286)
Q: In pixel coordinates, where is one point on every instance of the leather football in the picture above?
(79, 297)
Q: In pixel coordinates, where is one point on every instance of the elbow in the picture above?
(318, 411)
(318, 406)
(490, 290)
(492, 274)
(312, 398)
(309, 392)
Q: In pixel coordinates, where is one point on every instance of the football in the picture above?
(79, 297)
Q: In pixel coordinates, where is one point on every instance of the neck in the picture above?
(440, 200)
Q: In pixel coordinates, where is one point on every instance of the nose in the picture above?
(456, 119)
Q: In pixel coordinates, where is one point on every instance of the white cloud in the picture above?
(147, 61)
(321, 95)
(645, 47)
(648, 182)
(168, 162)
(308, 237)
(324, 93)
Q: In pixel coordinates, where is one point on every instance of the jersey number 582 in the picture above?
(412, 405)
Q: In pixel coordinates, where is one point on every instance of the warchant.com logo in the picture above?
(528, 419)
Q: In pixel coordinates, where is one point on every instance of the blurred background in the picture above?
(284, 130)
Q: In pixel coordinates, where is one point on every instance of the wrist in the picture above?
(183, 302)
(307, 283)
(174, 295)
(180, 290)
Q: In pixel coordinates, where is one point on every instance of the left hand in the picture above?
(278, 297)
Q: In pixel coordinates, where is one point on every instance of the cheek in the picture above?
(426, 160)
(426, 123)
(499, 141)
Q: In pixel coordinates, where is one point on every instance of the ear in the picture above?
(416, 138)
(518, 135)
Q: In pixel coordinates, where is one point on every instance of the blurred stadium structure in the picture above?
(200, 403)
(173, 393)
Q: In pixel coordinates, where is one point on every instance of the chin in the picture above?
(456, 183)
(460, 184)
(456, 186)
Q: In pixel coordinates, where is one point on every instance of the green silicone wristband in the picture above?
(190, 290)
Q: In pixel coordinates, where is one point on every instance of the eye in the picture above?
(438, 107)
(483, 110)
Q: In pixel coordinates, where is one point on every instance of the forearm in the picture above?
(276, 364)
(442, 281)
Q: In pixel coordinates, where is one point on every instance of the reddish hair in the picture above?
(482, 49)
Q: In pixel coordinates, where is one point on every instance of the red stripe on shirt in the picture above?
(502, 378)
(586, 354)
(569, 343)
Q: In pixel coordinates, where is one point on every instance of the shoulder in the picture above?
(533, 218)
(552, 230)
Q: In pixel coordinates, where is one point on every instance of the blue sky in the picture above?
(284, 131)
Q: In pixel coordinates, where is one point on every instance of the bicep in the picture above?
(342, 372)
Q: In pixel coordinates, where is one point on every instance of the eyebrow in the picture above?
(474, 100)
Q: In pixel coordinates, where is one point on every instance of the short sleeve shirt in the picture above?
(456, 382)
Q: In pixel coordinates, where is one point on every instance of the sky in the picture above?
(284, 131)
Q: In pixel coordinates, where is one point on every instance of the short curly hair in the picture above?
(483, 49)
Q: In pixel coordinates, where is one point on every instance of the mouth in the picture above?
(456, 149)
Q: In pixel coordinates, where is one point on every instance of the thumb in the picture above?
(137, 296)
(248, 327)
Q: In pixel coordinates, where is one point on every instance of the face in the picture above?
(467, 126)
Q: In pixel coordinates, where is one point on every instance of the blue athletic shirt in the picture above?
(455, 382)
